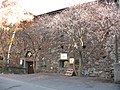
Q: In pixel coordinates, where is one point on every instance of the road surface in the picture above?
(52, 82)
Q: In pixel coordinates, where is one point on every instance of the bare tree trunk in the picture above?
(9, 49)
(80, 56)
(80, 62)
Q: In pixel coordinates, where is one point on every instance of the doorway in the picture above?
(30, 69)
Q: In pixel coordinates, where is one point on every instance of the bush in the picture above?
(17, 70)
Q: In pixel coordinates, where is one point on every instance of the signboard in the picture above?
(71, 60)
(63, 56)
(21, 61)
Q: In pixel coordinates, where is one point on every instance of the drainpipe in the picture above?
(116, 49)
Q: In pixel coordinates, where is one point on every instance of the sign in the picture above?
(21, 62)
(71, 60)
(63, 56)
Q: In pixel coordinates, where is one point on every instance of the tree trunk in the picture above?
(80, 62)
(9, 49)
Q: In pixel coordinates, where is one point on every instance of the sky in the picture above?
(38, 7)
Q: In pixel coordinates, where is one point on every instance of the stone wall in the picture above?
(103, 66)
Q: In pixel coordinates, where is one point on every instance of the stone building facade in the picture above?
(100, 63)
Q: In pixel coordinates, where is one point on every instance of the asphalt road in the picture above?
(52, 82)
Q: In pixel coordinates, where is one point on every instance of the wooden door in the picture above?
(30, 68)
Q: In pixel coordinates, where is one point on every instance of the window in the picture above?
(63, 63)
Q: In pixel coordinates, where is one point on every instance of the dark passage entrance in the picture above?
(30, 67)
